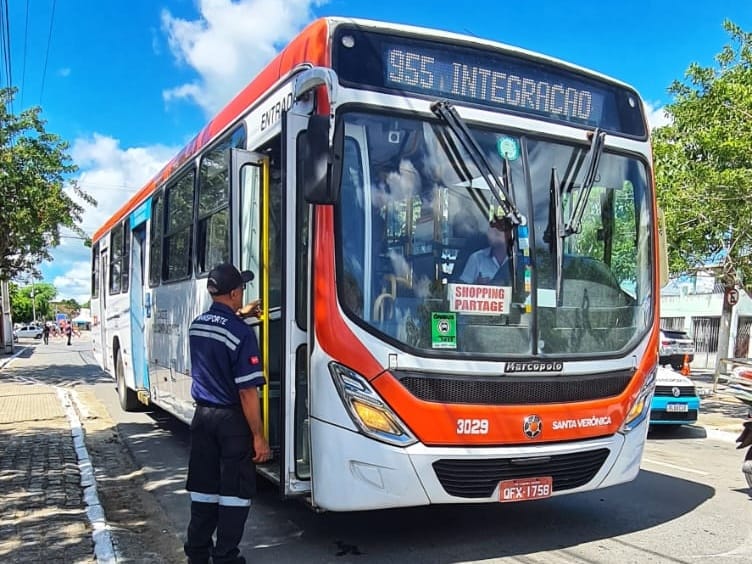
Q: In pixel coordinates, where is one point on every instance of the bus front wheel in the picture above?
(128, 398)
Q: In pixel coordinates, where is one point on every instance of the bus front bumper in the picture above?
(352, 472)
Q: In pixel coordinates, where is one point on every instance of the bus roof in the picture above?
(312, 47)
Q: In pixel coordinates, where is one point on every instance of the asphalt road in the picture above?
(689, 504)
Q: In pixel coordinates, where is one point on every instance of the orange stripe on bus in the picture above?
(332, 334)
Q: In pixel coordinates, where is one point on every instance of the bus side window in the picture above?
(155, 239)
(95, 271)
(213, 219)
(178, 228)
(116, 255)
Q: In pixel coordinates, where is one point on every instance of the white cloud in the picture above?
(229, 43)
(111, 175)
(75, 283)
(657, 116)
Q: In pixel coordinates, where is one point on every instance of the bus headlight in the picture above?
(641, 406)
(371, 415)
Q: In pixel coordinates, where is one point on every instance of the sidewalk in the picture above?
(43, 517)
(719, 410)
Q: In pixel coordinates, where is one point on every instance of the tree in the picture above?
(23, 305)
(34, 204)
(704, 169)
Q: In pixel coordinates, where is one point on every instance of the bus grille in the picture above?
(514, 390)
(667, 391)
(479, 478)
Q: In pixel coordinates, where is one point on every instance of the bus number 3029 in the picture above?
(472, 426)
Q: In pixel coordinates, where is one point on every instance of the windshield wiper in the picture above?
(554, 234)
(574, 225)
(446, 113)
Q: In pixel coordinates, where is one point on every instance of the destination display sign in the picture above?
(526, 89)
(486, 77)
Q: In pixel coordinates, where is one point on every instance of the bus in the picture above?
(357, 175)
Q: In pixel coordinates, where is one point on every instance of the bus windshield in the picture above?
(427, 261)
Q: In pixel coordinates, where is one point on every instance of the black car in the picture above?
(673, 347)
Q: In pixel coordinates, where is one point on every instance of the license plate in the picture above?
(677, 407)
(525, 489)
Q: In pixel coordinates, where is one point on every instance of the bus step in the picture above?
(270, 471)
(143, 396)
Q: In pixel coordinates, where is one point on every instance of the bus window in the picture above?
(213, 235)
(95, 271)
(116, 256)
(178, 228)
(155, 239)
(126, 260)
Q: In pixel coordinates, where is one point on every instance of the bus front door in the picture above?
(261, 209)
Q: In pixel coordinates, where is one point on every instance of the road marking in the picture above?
(675, 467)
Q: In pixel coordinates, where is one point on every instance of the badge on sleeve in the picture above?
(253, 359)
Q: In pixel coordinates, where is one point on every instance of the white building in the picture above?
(694, 305)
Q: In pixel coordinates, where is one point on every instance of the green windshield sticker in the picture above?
(508, 147)
(443, 330)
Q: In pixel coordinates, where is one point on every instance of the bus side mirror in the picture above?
(314, 162)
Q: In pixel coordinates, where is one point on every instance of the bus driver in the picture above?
(490, 264)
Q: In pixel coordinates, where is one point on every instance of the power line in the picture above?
(26, 39)
(7, 52)
(5, 47)
(47, 54)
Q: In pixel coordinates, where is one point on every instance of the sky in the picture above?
(128, 84)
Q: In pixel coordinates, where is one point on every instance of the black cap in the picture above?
(224, 278)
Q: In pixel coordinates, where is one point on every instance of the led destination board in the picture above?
(487, 77)
(438, 73)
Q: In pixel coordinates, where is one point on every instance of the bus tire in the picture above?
(128, 398)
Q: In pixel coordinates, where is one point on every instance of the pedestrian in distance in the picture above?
(69, 332)
(227, 437)
(46, 333)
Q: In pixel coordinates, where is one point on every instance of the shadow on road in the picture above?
(677, 432)
(476, 532)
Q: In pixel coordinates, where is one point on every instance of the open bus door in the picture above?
(262, 244)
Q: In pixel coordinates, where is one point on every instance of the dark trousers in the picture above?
(221, 481)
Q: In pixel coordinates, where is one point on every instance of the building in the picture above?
(694, 305)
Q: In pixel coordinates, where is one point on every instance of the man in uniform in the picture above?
(490, 264)
(226, 431)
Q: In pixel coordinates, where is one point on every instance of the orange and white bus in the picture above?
(362, 175)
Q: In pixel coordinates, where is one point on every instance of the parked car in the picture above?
(28, 331)
(673, 346)
(675, 401)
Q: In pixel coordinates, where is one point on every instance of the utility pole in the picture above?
(33, 303)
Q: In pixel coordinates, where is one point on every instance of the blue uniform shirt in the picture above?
(224, 357)
(483, 264)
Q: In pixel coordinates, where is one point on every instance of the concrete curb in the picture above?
(103, 547)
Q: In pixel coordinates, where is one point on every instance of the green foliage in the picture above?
(704, 164)
(35, 198)
(21, 304)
